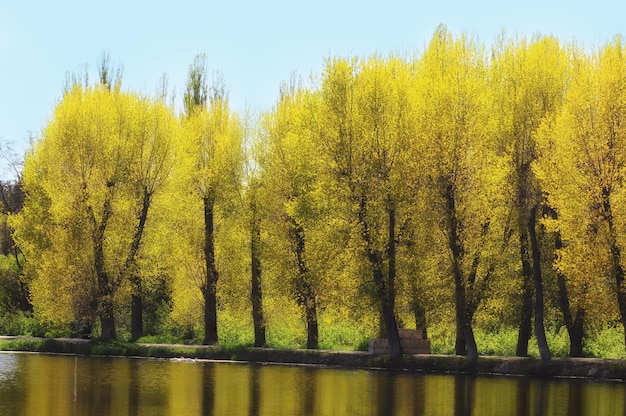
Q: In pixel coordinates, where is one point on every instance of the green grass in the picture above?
(604, 343)
(290, 333)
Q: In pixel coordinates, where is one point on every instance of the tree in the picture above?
(256, 286)
(211, 170)
(530, 78)
(464, 173)
(291, 173)
(151, 158)
(582, 169)
(365, 132)
(13, 282)
(89, 181)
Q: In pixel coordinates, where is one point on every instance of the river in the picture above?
(55, 385)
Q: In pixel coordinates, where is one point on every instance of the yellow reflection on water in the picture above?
(41, 385)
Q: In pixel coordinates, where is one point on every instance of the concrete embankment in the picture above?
(584, 368)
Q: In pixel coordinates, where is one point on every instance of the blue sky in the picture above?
(256, 45)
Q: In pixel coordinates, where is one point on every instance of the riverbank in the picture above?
(583, 368)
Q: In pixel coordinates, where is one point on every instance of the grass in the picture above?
(602, 343)
(335, 334)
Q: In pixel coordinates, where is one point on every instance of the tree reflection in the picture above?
(208, 389)
(386, 394)
(310, 391)
(254, 404)
(464, 388)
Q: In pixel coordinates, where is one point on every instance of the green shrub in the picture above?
(607, 342)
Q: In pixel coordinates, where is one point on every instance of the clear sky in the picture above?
(255, 44)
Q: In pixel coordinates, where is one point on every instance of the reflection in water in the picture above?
(309, 388)
(540, 402)
(208, 390)
(523, 397)
(463, 395)
(386, 395)
(254, 404)
(59, 385)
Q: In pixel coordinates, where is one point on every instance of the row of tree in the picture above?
(462, 182)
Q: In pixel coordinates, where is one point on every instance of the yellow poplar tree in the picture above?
(209, 174)
(529, 78)
(462, 170)
(366, 131)
(582, 167)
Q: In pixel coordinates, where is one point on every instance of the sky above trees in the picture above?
(256, 45)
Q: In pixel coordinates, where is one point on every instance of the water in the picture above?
(33, 384)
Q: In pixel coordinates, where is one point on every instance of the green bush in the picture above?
(606, 342)
(21, 323)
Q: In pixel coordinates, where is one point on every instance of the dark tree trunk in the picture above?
(136, 310)
(136, 317)
(577, 334)
(526, 310)
(312, 338)
(540, 331)
(460, 344)
(465, 342)
(209, 290)
(616, 258)
(389, 295)
(575, 326)
(256, 294)
(305, 292)
(105, 287)
(384, 285)
(107, 321)
(105, 298)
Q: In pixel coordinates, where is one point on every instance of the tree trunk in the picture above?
(465, 342)
(526, 310)
(577, 334)
(105, 289)
(107, 321)
(136, 313)
(540, 331)
(209, 290)
(389, 295)
(305, 292)
(312, 339)
(616, 258)
(574, 326)
(136, 316)
(385, 292)
(256, 294)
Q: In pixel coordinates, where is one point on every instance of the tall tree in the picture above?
(84, 216)
(529, 78)
(212, 143)
(291, 173)
(151, 157)
(365, 132)
(464, 173)
(582, 168)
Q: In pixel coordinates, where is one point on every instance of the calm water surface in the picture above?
(32, 384)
